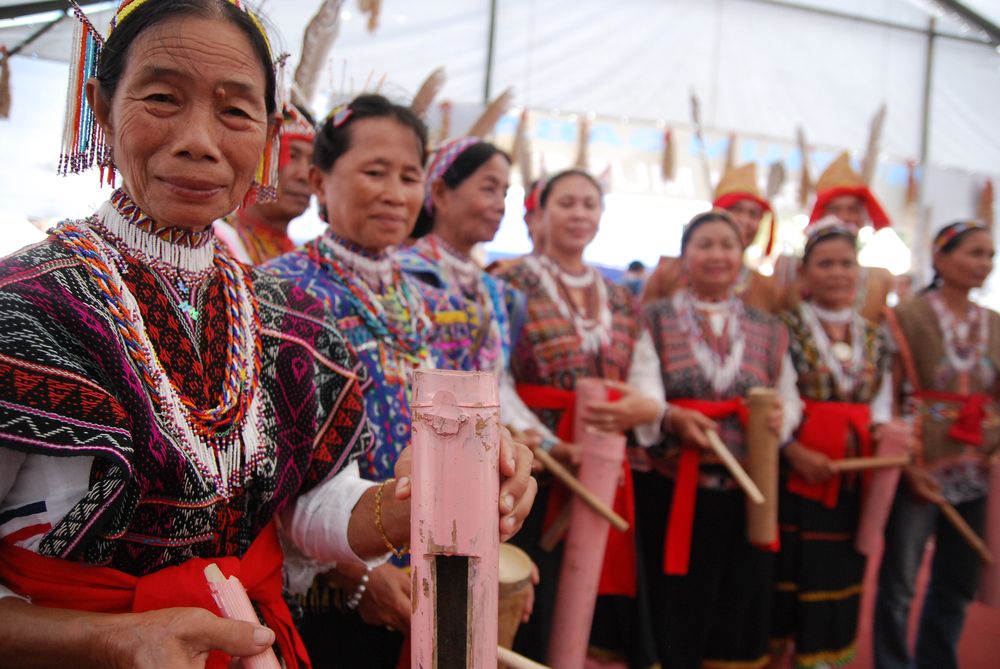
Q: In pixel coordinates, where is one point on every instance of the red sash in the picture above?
(618, 574)
(677, 545)
(968, 427)
(825, 429)
(71, 585)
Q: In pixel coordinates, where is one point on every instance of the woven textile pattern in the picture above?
(387, 399)
(766, 343)
(71, 390)
(816, 382)
(549, 352)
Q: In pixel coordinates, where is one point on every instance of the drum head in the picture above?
(515, 568)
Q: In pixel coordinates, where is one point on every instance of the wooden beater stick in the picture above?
(879, 462)
(753, 492)
(578, 488)
(955, 518)
(509, 658)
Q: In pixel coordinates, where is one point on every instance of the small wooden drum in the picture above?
(515, 577)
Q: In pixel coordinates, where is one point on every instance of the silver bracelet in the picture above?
(355, 599)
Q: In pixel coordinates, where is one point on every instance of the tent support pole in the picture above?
(489, 51)
(923, 238)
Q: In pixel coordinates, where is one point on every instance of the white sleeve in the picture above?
(10, 465)
(317, 522)
(644, 375)
(788, 389)
(515, 413)
(881, 406)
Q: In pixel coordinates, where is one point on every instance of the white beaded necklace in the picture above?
(955, 331)
(839, 317)
(845, 372)
(228, 459)
(593, 333)
(721, 370)
(376, 272)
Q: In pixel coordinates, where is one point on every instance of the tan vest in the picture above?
(920, 327)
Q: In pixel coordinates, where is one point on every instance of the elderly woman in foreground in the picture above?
(162, 402)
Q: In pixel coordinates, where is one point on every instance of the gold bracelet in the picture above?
(378, 520)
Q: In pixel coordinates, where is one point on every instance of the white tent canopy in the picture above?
(761, 68)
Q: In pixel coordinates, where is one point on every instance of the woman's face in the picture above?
(713, 257)
(373, 193)
(830, 274)
(188, 122)
(472, 212)
(967, 265)
(573, 212)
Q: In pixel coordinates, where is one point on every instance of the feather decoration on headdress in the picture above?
(668, 156)
(485, 124)
(604, 179)
(521, 155)
(319, 36)
(371, 8)
(805, 183)
(912, 187)
(582, 139)
(445, 128)
(775, 179)
(425, 96)
(4, 83)
(984, 212)
(696, 119)
(731, 152)
(871, 157)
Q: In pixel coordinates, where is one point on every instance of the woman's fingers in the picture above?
(402, 473)
(509, 454)
(511, 522)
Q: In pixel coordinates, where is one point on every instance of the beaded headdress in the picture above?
(949, 233)
(443, 157)
(295, 128)
(84, 144)
(714, 214)
(826, 227)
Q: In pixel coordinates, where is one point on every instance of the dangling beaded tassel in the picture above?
(265, 183)
(83, 143)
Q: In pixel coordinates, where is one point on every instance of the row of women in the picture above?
(168, 407)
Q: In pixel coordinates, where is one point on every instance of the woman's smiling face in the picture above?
(373, 193)
(188, 122)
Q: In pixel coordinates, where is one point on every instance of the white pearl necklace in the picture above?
(845, 361)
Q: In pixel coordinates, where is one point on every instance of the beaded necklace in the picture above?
(464, 273)
(224, 441)
(182, 257)
(846, 370)
(720, 369)
(593, 333)
(963, 353)
(397, 315)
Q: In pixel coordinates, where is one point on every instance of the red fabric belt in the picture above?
(71, 585)
(825, 429)
(677, 545)
(618, 574)
(968, 427)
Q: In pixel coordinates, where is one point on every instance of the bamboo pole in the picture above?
(762, 465)
(581, 491)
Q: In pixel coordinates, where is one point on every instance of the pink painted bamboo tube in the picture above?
(587, 391)
(897, 437)
(989, 585)
(234, 604)
(600, 467)
(454, 520)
